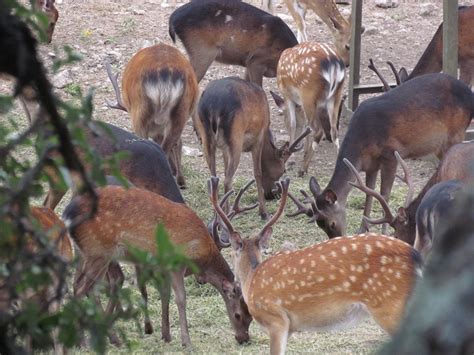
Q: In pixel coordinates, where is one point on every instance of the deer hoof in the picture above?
(265, 216)
(148, 328)
(301, 173)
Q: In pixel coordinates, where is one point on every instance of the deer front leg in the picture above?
(370, 180)
(165, 291)
(387, 177)
(257, 172)
(144, 293)
(298, 12)
(177, 281)
(279, 333)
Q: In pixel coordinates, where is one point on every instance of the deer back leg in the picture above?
(144, 293)
(370, 180)
(201, 57)
(257, 172)
(177, 282)
(387, 177)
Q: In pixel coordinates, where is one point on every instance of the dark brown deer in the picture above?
(457, 164)
(426, 115)
(311, 75)
(231, 32)
(47, 7)
(129, 217)
(431, 60)
(233, 115)
(160, 93)
(323, 286)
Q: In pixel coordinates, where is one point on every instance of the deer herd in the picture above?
(323, 286)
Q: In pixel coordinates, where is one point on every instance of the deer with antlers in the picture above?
(233, 115)
(426, 115)
(324, 286)
(129, 217)
(311, 75)
(160, 93)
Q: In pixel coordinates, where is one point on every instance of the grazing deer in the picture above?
(324, 286)
(327, 11)
(160, 93)
(129, 217)
(311, 75)
(47, 7)
(457, 164)
(435, 207)
(145, 167)
(231, 32)
(233, 115)
(431, 60)
(426, 115)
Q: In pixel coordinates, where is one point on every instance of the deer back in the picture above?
(239, 31)
(159, 86)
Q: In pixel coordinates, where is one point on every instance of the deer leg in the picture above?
(171, 141)
(334, 116)
(165, 310)
(201, 57)
(144, 293)
(387, 177)
(116, 278)
(53, 198)
(209, 150)
(298, 13)
(279, 332)
(177, 155)
(257, 172)
(231, 163)
(290, 119)
(370, 180)
(254, 73)
(177, 281)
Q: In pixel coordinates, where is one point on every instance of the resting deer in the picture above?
(426, 115)
(160, 92)
(311, 75)
(431, 60)
(323, 286)
(231, 32)
(457, 164)
(129, 217)
(233, 115)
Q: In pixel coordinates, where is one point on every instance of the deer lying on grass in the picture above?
(47, 7)
(431, 60)
(130, 217)
(311, 75)
(323, 286)
(146, 166)
(160, 92)
(457, 164)
(426, 115)
(231, 32)
(233, 115)
(327, 11)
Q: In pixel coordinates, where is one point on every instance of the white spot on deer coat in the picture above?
(228, 18)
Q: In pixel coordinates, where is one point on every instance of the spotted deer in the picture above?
(328, 12)
(160, 92)
(311, 75)
(231, 32)
(431, 60)
(129, 217)
(426, 115)
(233, 115)
(456, 165)
(48, 8)
(323, 286)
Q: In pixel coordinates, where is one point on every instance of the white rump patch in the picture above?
(165, 95)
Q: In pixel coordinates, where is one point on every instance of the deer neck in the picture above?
(431, 59)
(245, 265)
(327, 12)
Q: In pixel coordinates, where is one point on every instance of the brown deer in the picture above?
(457, 164)
(160, 93)
(426, 115)
(311, 75)
(323, 286)
(431, 60)
(129, 217)
(47, 7)
(233, 115)
(327, 11)
(231, 32)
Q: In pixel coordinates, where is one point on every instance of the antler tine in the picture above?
(293, 147)
(212, 187)
(372, 67)
(236, 209)
(284, 194)
(302, 209)
(113, 78)
(388, 216)
(406, 179)
(395, 73)
(225, 198)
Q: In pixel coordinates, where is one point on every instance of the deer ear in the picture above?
(314, 186)
(264, 238)
(228, 288)
(236, 241)
(403, 74)
(278, 99)
(402, 214)
(330, 196)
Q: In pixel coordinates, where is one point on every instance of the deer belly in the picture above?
(322, 317)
